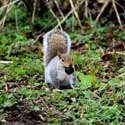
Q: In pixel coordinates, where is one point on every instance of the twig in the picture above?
(2, 22)
(17, 28)
(5, 62)
(120, 6)
(102, 9)
(73, 22)
(115, 52)
(76, 14)
(60, 11)
(71, 11)
(37, 38)
(82, 113)
(58, 21)
(120, 53)
(9, 7)
(42, 118)
(86, 8)
(11, 3)
(117, 14)
(121, 75)
(34, 11)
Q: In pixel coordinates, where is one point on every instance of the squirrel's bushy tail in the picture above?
(46, 45)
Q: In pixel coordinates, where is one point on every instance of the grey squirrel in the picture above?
(58, 64)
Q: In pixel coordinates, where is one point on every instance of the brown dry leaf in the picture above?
(28, 34)
(78, 46)
(77, 67)
(107, 57)
(87, 27)
(110, 35)
(120, 45)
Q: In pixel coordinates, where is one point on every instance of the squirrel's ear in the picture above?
(59, 54)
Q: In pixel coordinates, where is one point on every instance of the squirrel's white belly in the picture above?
(54, 72)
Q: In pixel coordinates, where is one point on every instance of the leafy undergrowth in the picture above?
(98, 97)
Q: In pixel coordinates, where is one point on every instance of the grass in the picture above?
(99, 95)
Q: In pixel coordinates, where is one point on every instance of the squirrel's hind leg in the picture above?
(53, 83)
(57, 83)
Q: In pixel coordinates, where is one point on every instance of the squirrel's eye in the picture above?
(62, 60)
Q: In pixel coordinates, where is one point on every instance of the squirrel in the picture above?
(58, 63)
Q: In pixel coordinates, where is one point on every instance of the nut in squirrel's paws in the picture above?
(69, 70)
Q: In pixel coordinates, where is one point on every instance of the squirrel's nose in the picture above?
(69, 70)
